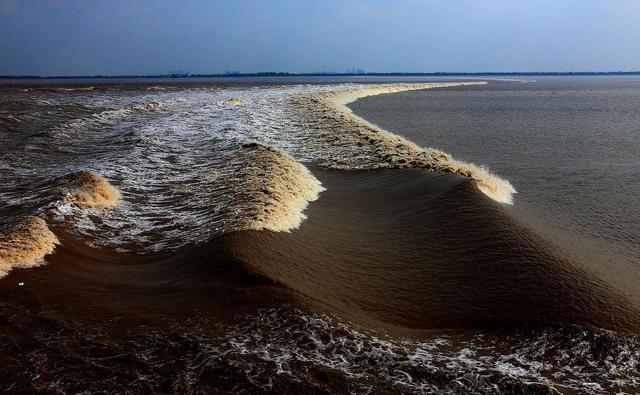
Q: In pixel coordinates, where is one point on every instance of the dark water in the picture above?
(397, 281)
(570, 146)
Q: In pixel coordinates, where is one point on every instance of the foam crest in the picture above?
(384, 149)
(25, 244)
(87, 188)
(347, 95)
(491, 185)
(278, 187)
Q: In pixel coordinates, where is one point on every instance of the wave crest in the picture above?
(73, 89)
(385, 149)
(278, 187)
(89, 189)
(141, 107)
(25, 244)
(491, 185)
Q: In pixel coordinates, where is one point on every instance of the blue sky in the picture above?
(64, 37)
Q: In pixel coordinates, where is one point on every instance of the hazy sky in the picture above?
(65, 37)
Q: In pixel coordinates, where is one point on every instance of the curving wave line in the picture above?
(392, 150)
(73, 89)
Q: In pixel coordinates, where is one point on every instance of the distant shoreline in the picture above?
(283, 74)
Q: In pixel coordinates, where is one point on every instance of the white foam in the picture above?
(491, 185)
(180, 169)
(294, 343)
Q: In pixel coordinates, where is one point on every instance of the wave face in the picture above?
(410, 249)
(266, 239)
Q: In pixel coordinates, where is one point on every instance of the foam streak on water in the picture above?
(296, 344)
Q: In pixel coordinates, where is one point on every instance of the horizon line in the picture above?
(318, 74)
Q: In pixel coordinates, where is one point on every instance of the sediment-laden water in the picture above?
(186, 237)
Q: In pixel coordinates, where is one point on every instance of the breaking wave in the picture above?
(387, 149)
(88, 189)
(409, 248)
(25, 244)
(278, 187)
(25, 241)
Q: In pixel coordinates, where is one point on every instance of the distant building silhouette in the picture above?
(354, 70)
(179, 73)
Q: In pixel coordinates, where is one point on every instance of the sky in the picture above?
(136, 37)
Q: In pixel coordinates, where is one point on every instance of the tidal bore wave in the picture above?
(25, 241)
(409, 249)
(390, 150)
(384, 286)
(266, 239)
